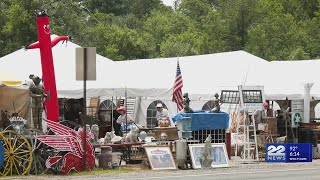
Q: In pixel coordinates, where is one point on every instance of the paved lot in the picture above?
(239, 171)
(285, 174)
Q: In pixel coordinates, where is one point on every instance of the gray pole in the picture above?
(112, 129)
(84, 108)
(125, 101)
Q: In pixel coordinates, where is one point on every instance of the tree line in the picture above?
(142, 29)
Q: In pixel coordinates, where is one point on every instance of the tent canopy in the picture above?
(203, 75)
(286, 79)
(25, 62)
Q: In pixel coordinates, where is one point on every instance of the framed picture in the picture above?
(160, 157)
(218, 153)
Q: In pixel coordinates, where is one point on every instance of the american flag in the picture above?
(177, 89)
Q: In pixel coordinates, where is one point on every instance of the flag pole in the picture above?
(176, 102)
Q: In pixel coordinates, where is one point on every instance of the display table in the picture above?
(205, 120)
(125, 149)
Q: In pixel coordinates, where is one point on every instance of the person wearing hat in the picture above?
(162, 113)
(260, 114)
(123, 117)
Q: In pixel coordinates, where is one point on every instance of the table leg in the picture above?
(129, 153)
(126, 153)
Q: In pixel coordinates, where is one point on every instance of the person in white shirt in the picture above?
(122, 118)
(163, 113)
(260, 114)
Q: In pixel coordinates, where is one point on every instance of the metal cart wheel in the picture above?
(39, 154)
(17, 154)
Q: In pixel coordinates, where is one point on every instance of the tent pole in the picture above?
(112, 129)
(125, 99)
(31, 114)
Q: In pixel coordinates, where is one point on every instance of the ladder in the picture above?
(130, 103)
(246, 131)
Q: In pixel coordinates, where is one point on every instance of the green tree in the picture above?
(133, 29)
(278, 35)
(129, 21)
(119, 43)
(18, 26)
(195, 8)
(239, 16)
(298, 54)
(115, 7)
(313, 37)
(301, 10)
(142, 8)
(161, 25)
(67, 17)
(185, 44)
(214, 33)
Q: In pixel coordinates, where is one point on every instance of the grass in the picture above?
(98, 171)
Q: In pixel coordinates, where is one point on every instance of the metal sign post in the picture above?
(85, 70)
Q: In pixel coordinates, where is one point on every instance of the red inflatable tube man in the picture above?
(45, 45)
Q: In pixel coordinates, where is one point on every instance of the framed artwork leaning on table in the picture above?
(160, 157)
(218, 154)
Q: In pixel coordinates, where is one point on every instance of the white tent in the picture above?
(25, 62)
(152, 79)
(149, 79)
(203, 75)
(286, 79)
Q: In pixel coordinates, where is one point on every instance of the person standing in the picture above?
(123, 117)
(163, 113)
(260, 114)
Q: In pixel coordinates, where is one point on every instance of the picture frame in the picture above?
(160, 157)
(218, 153)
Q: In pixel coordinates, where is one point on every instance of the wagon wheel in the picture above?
(38, 151)
(17, 154)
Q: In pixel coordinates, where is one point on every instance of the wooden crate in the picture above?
(93, 107)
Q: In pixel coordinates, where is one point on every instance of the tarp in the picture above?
(16, 100)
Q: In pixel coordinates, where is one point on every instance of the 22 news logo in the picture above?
(276, 153)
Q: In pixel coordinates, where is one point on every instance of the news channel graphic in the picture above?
(291, 152)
